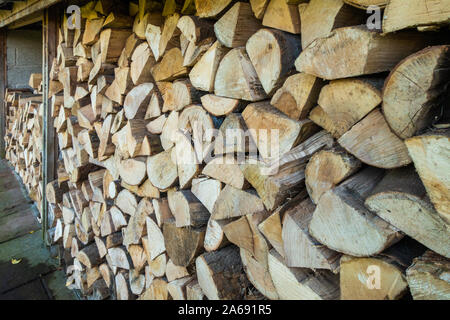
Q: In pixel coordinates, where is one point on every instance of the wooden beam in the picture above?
(31, 19)
(50, 25)
(3, 82)
(30, 7)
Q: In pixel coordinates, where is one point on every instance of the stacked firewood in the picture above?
(23, 137)
(337, 180)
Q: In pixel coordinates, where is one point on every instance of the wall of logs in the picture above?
(357, 205)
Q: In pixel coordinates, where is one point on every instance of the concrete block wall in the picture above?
(24, 56)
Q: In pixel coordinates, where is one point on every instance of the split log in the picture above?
(136, 225)
(168, 131)
(236, 26)
(259, 7)
(174, 272)
(372, 142)
(142, 62)
(381, 277)
(184, 94)
(207, 191)
(298, 95)
(187, 209)
(239, 232)
(236, 78)
(118, 219)
(282, 179)
(397, 16)
(137, 282)
(327, 169)
(319, 19)
(112, 42)
(220, 106)
(193, 53)
(302, 284)
(158, 265)
(257, 271)
(119, 258)
(273, 53)
(194, 291)
(263, 119)
(161, 170)
(366, 234)
(156, 291)
(156, 126)
(211, 9)
(234, 202)
(426, 277)
(215, 236)
(137, 100)
(162, 211)
(156, 239)
(232, 137)
(55, 191)
(345, 102)
(163, 40)
(133, 171)
(401, 200)
(300, 249)
(283, 16)
(126, 202)
(220, 274)
(183, 245)
(89, 256)
(226, 170)
(377, 278)
(177, 288)
(122, 285)
(364, 4)
(129, 48)
(329, 59)
(430, 155)
(117, 20)
(195, 29)
(138, 257)
(415, 91)
(35, 80)
(139, 141)
(170, 67)
(195, 121)
(203, 73)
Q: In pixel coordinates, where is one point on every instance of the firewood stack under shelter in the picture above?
(338, 187)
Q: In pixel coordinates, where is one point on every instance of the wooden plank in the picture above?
(21, 10)
(32, 18)
(3, 82)
(49, 34)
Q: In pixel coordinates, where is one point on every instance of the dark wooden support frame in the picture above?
(50, 25)
(3, 84)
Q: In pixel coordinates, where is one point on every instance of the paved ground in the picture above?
(37, 276)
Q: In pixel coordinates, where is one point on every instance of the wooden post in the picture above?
(3, 81)
(49, 45)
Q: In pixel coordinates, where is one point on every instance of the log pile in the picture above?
(23, 137)
(335, 184)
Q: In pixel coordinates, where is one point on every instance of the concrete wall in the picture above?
(24, 56)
